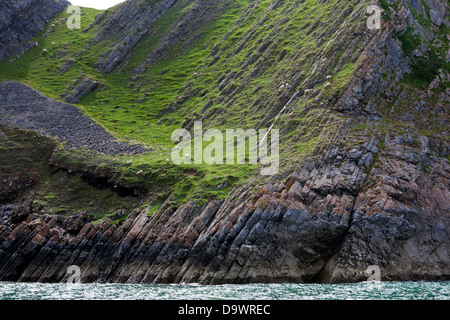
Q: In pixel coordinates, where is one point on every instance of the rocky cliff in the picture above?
(23, 19)
(369, 110)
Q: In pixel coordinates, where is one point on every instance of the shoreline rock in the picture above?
(22, 20)
(25, 108)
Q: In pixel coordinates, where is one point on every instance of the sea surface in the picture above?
(287, 291)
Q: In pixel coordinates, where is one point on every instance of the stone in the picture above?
(355, 154)
(321, 220)
(436, 18)
(76, 222)
(131, 23)
(22, 20)
(23, 211)
(81, 89)
(366, 160)
(36, 112)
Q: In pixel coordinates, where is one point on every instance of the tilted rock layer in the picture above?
(376, 196)
(20, 20)
(25, 108)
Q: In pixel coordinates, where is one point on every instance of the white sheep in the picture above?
(44, 50)
(140, 173)
(53, 44)
(167, 161)
(327, 85)
(329, 77)
(53, 25)
(308, 91)
(129, 162)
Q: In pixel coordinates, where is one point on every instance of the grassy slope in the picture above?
(294, 37)
(24, 155)
(117, 108)
(114, 109)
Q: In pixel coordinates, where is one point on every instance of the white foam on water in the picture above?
(287, 291)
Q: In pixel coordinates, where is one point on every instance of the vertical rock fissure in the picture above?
(323, 275)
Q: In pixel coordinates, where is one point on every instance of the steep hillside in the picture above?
(20, 20)
(364, 151)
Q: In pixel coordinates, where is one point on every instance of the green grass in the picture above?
(117, 108)
(25, 155)
(385, 14)
(61, 193)
(39, 69)
(255, 47)
(409, 41)
(159, 179)
(424, 70)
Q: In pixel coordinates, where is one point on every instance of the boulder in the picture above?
(21, 212)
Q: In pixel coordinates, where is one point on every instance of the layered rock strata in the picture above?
(20, 20)
(378, 196)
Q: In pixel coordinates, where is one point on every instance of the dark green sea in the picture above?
(287, 291)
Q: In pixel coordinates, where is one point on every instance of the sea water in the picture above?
(286, 291)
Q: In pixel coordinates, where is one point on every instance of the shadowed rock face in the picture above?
(379, 198)
(20, 20)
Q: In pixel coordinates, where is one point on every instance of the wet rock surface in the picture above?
(80, 88)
